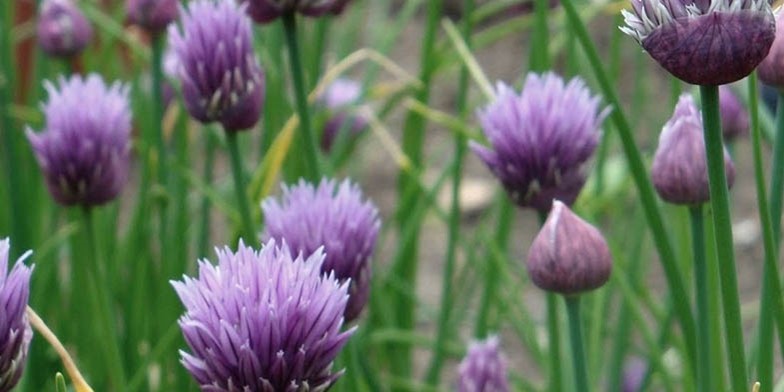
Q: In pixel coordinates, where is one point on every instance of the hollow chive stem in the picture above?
(101, 302)
(204, 221)
(157, 130)
(553, 334)
(704, 376)
(719, 198)
(311, 150)
(249, 234)
(578, 348)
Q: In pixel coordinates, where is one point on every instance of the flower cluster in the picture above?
(333, 216)
(84, 151)
(263, 321)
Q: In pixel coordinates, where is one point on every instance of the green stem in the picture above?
(160, 147)
(101, 299)
(553, 333)
(300, 92)
(488, 299)
(240, 189)
(576, 337)
(771, 286)
(203, 242)
(642, 181)
(704, 377)
(540, 58)
(434, 373)
(777, 175)
(722, 224)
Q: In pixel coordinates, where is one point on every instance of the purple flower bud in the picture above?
(335, 217)
(263, 321)
(338, 99)
(152, 15)
(705, 42)
(541, 139)
(633, 375)
(680, 171)
(84, 150)
(771, 69)
(221, 77)
(63, 31)
(484, 368)
(15, 331)
(568, 256)
(734, 117)
(265, 11)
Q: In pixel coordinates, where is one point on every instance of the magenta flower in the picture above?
(680, 168)
(15, 331)
(568, 256)
(263, 321)
(484, 368)
(541, 139)
(63, 30)
(84, 150)
(220, 75)
(264, 11)
(333, 216)
(705, 42)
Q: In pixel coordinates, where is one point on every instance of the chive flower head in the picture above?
(15, 331)
(63, 30)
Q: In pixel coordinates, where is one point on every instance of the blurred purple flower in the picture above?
(484, 368)
(734, 117)
(771, 69)
(220, 75)
(15, 331)
(633, 375)
(338, 99)
(568, 256)
(335, 217)
(679, 170)
(84, 150)
(152, 15)
(541, 139)
(63, 31)
(263, 321)
(705, 42)
(265, 11)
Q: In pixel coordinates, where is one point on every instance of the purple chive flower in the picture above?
(541, 139)
(63, 31)
(15, 331)
(263, 321)
(734, 117)
(335, 217)
(338, 99)
(680, 171)
(771, 69)
(568, 256)
(221, 77)
(484, 368)
(705, 42)
(265, 11)
(84, 150)
(633, 375)
(152, 15)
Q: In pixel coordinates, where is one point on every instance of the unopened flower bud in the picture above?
(734, 117)
(484, 368)
(771, 69)
(63, 31)
(680, 171)
(568, 256)
(152, 15)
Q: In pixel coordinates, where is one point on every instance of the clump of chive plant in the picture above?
(15, 331)
(264, 11)
(484, 368)
(263, 321)
(63, 30)
(221, 78)
(705, 42)
(541, 139)
(152, 15)
(679, 171)
(84, 150)
(334, 216)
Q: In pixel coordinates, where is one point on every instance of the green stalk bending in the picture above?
(576, 337)
(722, 225)
(704, 376)
(101, 301)
(306, 130)
(639, 173)
(249, 234)
(434, 372)
(771, 286)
